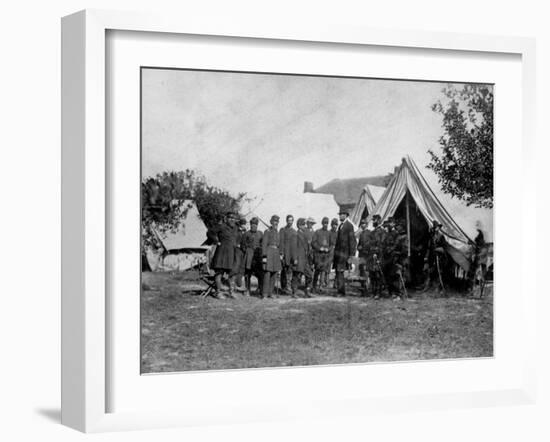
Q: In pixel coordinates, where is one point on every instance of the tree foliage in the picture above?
(162, 201)
(465, 164)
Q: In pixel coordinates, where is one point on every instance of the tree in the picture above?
(162, 198)
(465, 165)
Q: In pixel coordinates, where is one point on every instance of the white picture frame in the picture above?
(85, 307)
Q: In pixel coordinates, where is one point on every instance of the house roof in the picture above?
(348, 191)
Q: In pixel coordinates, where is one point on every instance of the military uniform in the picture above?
(435, 260)
(238, 260)
(363, 247)
(288, 250)
(388, 249)
(301, 264)
(252, 246)
(397, 274)
(226, 237)
(322, 243)
(375, 248)
(479, 258)
(333, 235)
(309, 235)
(272, 260)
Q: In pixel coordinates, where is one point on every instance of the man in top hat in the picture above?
(301, 264)
(252, 246)
(288, 251)
(344, 249)
(225, 236)
(322, 243)
(271, 257)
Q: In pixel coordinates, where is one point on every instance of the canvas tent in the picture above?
(410, 198)
(183, 247)
(366, 203)
(297, 204)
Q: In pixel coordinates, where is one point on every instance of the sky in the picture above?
(265, 133)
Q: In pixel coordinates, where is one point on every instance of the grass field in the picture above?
(182, 331)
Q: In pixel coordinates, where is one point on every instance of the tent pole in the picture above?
(408, 224)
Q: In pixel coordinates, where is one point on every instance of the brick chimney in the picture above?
(308, 187)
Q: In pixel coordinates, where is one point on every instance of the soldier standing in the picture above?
(479, 259)
(224, 235)
(375, 249)
(434, 261)
(288, 251)
(398, 277)
(344, 249)
(309, 231)
(252, 247)
(321, 244)
(301, 263)
(238, 262)
(363, 247)
(271, 258)
(388, 252)
(333, 235)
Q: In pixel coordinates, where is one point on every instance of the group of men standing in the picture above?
(383, 254)
(282, 260)
(289, 257)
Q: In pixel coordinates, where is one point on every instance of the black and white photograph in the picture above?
(303, 220)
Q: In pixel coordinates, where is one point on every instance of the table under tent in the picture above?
(411, 201)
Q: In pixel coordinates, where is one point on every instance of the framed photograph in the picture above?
(268, 222)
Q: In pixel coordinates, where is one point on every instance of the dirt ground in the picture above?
(182, 331)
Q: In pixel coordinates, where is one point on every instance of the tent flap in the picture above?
(408, 177)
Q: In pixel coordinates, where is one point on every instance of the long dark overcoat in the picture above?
(375, 242)
(287, 237)
(252, 246)
(270, 250)
(303, 251)
(224, 256)
(345, 246)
